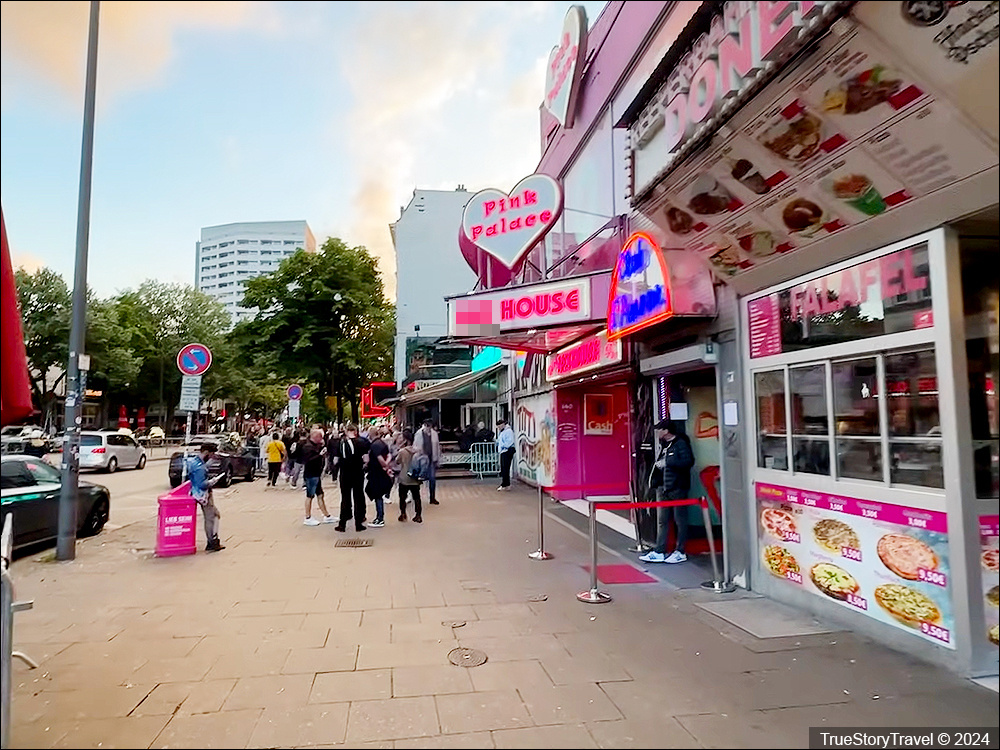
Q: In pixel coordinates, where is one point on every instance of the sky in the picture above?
(216, 112)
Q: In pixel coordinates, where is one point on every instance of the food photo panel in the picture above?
(859, 186)
(706, 198)
(805, 214)
(757, 238)
(746, 171)
(795, 134)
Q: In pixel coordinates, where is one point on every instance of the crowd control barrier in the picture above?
(9, 607)
(484, 460)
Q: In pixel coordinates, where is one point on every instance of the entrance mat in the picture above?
(620, 574)
(358, 542)
(765, 618)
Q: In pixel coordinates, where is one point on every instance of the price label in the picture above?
(869, 513)
(791, 536)
(836, 506)
(932, 576)
(935, 631)
(793, 576)
(857, 601)
(920, 523)
(849, 553)
(809, 501)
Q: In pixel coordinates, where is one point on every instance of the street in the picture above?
(133, 493)
(285, 640)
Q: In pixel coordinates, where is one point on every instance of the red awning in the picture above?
(15, 387)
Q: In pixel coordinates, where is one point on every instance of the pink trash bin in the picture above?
(176, 528)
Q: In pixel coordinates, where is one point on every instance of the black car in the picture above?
(231, 460)
(30, 489)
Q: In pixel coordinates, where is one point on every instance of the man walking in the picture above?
(201, 491)
(352, 479)
(427, 442)
(671, 478)
(506, 449)
(313, 456)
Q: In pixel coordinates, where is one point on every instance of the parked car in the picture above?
(17, 438)
(109, 451)
(231, 459)
(30, 489)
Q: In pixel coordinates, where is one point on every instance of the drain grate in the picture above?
(365, 542)
(467, 657)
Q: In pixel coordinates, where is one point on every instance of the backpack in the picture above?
(420, 467)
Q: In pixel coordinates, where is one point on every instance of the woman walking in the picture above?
(407, 484)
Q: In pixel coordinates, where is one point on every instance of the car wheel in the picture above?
(96, 519)
(251, 473)
(142, 462)
(227, 478)
(112, 465)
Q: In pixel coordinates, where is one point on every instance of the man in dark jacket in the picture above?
(671, 478)
(353, 451)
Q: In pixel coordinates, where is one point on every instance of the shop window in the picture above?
(914, 424)
(856, 419)
(810, 420)
(772, 440)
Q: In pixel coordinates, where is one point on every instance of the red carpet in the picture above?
(620, 574)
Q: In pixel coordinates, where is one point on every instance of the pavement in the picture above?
(285, 640)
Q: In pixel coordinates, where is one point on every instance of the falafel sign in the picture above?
(888, 562)
(509, 225)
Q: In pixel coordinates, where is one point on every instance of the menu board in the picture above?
(886, 561)
(846, 139)
(989, 540)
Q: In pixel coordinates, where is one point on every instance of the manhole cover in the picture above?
(539, 598)
(365, 542)
(466, 657)
(453, 623)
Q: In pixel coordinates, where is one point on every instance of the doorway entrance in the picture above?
(475, 413)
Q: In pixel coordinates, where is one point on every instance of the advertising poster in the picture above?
(597, 417)
(886, 561)
(989, 540)
(535, 429)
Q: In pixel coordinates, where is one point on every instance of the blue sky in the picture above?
(217, 112)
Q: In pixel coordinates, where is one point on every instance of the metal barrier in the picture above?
(7, 609)
(485, 460)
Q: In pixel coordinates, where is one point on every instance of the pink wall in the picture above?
(592, 459)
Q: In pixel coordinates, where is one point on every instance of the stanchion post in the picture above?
(639, 546)
(540, 553)
(717, 584)
(593, 596)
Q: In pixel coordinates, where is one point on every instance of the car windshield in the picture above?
(90, 441)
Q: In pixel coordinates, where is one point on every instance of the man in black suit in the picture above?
(352, 479)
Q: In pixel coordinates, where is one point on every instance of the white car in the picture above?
(110, 451)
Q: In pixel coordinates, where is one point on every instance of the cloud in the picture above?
(27, 261)
(46, 42)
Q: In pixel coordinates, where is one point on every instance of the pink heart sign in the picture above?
(562, 76)
(508, 225)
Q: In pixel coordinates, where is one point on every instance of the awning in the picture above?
(448, 387)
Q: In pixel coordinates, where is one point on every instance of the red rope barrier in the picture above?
(651, 504)
(574, 487)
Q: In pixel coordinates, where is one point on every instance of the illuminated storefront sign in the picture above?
(742, 48)
(369, 409)
(565, 68)
(517, 309)
(508, 225)
(640, 291)
(591, 353)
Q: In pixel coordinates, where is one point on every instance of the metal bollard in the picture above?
(717, 584)
(593, 596)
(540, 553)
(639, 546)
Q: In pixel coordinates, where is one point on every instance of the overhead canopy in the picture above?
(447, 388)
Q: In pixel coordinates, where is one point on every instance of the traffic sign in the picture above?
(294, 392)
(194, 359)
(190, 393)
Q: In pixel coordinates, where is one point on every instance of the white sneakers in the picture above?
(658, 557)
(501, 488)
(330, 519)
(310, 521)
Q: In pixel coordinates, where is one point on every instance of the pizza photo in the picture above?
(778, 523)
(833, 535)
(994, 635)
(993, 596)
(904, 555)
(991, 560)
(780, 561)
(907, 605)
(833, 580)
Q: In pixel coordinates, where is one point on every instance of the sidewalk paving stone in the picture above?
(494, 709)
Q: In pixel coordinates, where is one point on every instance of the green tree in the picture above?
(45, 304)
(324, 319)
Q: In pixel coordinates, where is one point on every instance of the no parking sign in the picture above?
(194, 359)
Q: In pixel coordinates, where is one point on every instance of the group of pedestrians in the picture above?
(366, 465)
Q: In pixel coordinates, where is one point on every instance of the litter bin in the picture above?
(176, 530)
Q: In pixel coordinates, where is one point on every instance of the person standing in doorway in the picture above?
(671, 478)
(408, 485)
(352, 479)
(428, 443)
(313, 456)
(276, 455)
(201, 491)
(506, 449)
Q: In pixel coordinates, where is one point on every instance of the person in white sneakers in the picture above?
(312, 454)
(671, 478)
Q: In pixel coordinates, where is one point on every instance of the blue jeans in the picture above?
(312, 485)
(380, 508)
(680, 515)
(432, 481)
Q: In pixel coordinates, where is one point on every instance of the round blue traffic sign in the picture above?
(194, 359)
(295, 392)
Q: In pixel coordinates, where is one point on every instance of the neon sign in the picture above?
(565, 68)
(640, 289)
(369, 409)
(589, 354)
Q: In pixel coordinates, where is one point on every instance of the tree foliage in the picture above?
(323, 319)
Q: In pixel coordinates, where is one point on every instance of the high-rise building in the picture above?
(428, 268)
(230, 254)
